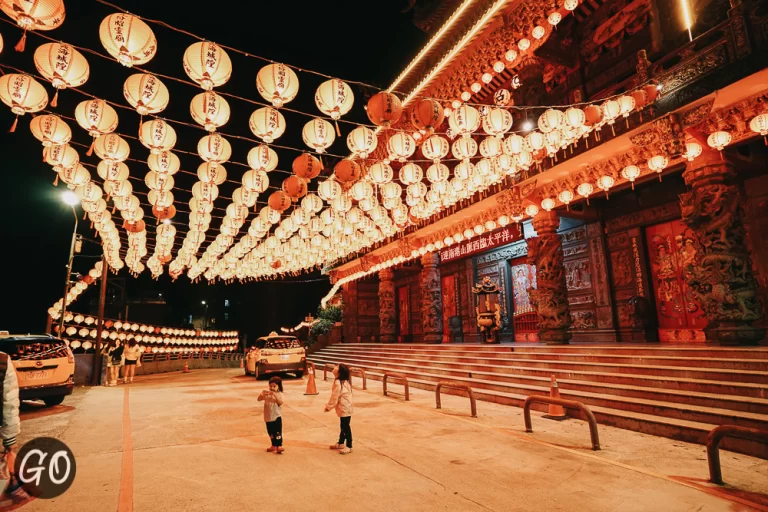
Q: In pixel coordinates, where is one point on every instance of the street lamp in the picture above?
(205, 315)
(71, 199)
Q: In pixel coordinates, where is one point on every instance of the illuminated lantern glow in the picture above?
(759, 124)
(380, 173)
(435, 148)
(611, 110)
(127, 39)
(555, 18)
(438, 172)
(262, 158)
(311, 203)
(499, 66)
(547, 203)
(631, 173)
(510, 56)
(464, 120)
(214, 149)
(164, 162)
(585, 190)
(626, 105)
(570, 5)
(401, 146)
(531, 210)
(33, 15)
(464, 148)
(294, 187)
(384, 109)
(538, 32)
(207, 64)
(146, 93)
(89, 192)
(267, 124)
(157, 135)
(718, 140)
(61, 156)
(62, 65)
(113, 171)
(550, 120)
(206, 192)
(209, 110)
(565, 197)
(605, 183)
(416, 190)
(362, 141)
(347, 171)
(75, 176)
(111, 148)
(318, 134)
(657, 164)
(391, 191)
(361, 191)
(277, 83)
(692, 150)
(255, 181)
(160, 199)
(427, 115)
(640, 97)
(464, 170)
(334, 98)
(575, 118)
(211, 174)
(652, 91)
(514, 144)
(535, 140)
(411, 173)
(523, 44)
(593, 115)
(328, 190)
(491, 147)
(497, 122)
(23, 94)
(50, 130)
(159, 182)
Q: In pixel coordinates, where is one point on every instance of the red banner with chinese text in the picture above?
(481, 243)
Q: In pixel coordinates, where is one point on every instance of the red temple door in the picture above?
(525, 318)
(450, 305)
(671, 249)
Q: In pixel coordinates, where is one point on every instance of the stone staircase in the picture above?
(680, 392)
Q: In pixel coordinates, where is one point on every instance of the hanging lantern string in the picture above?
(518, 108)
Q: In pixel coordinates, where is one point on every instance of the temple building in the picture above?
(653, 228)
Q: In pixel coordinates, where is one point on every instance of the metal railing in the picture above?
(713, 446)
(327, 367)
(170, 356)
(455, 385)
(362, 373)
(572, 404)
(399, 376)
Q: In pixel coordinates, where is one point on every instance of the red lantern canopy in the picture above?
(347, 171)
(294, 187)
(279, 201)
(593, 115)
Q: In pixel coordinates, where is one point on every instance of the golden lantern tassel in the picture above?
(13, 126)
(587, 200)
(627, 120)
(633, 185)
(22, 42)
(659, 177)
(56, 181)
(90, 149)
(85, 215)
(338, 132)
(613, 130)
(55, 100)
(606, 194)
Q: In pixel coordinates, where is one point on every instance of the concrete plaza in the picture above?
(197, 442)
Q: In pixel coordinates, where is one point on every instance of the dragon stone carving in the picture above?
(720, 276)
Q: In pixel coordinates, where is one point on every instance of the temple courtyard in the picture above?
(197, 441)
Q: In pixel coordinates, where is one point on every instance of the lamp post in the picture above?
(70, 199)
(205, 314)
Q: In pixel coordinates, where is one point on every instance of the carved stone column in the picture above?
(431, 299)
(720, 274)
(545, 251)
(387, 315)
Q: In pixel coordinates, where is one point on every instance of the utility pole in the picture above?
(69, 274)
(97, 359)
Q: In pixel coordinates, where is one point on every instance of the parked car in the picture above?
(275, 354)
(45, 366)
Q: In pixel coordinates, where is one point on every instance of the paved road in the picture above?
(197, 442)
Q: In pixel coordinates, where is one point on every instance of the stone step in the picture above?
(751, 376)
(636, 390)
(641, 405)
(684, 430)
(660, 349)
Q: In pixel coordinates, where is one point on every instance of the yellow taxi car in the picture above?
(275, 354)
(44, 366)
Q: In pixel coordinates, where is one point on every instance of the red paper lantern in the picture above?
(347, 171)
(307, 166)
(593, 115)
(294, 187)
(427, 115)
(279, 201)
(384, 109)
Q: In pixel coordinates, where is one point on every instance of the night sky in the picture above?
(369, 41)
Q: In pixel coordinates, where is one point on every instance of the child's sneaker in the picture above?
(279, 450)
(345, 451)
(336, 446)
(272, 448)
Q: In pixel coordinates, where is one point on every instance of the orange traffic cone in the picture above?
(555, 412)
(311, 387)
(186, 367)
(241, 364)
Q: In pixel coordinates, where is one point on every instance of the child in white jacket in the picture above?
(341, 400)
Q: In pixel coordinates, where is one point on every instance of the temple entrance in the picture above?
(403, 314)
(671, 249)
(525, 319)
